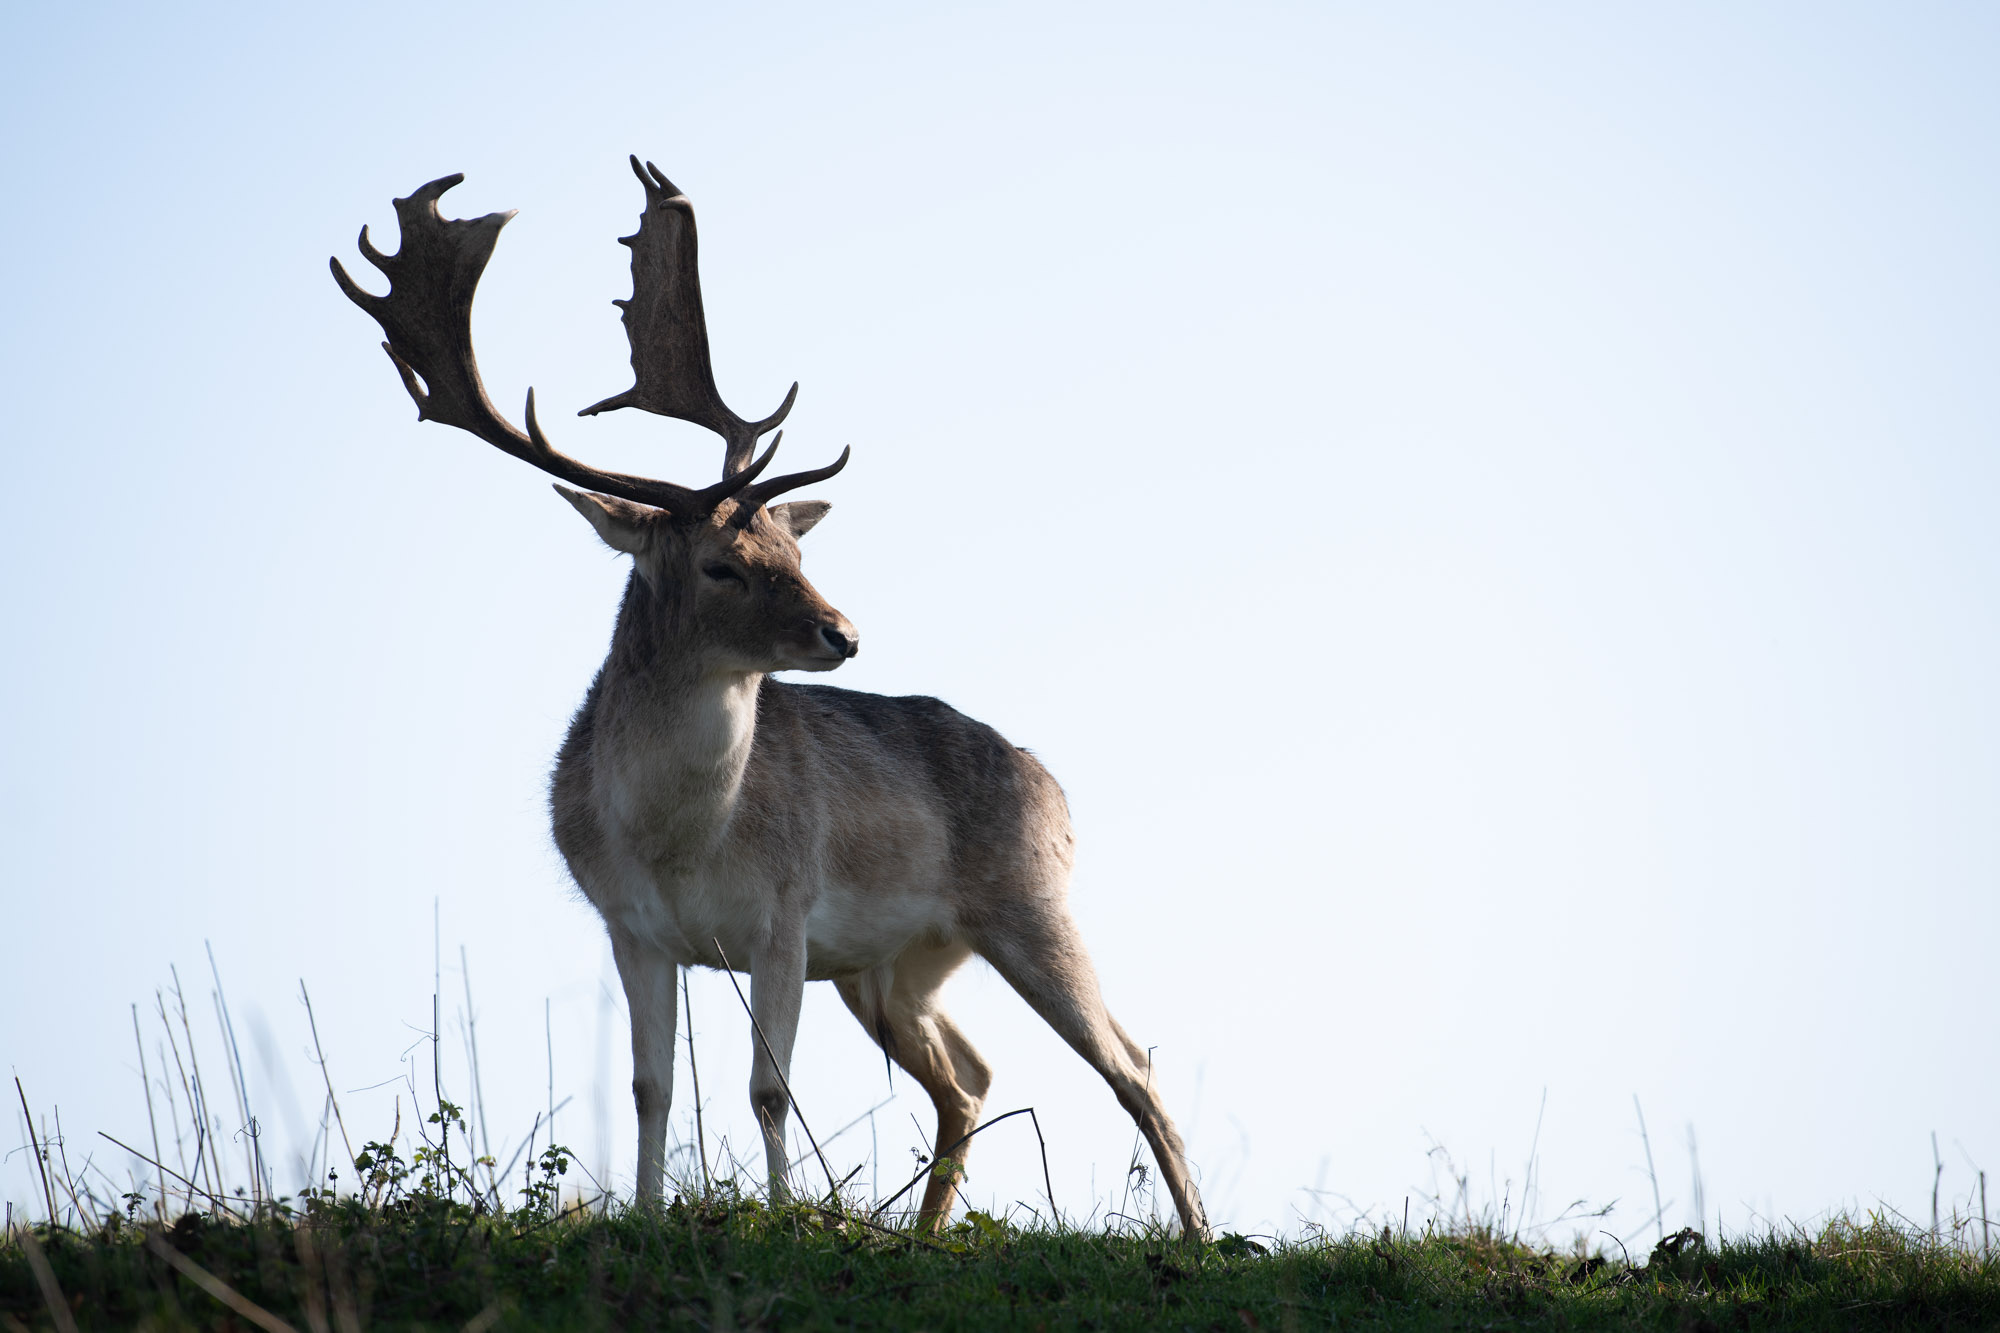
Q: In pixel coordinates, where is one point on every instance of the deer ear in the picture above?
(624, 526)
(798, 516)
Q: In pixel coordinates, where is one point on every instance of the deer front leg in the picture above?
(777, 991)
(648, 976)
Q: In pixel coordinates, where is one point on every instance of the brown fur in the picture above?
(815, 833)
(709, 812)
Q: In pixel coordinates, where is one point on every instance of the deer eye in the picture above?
(722, 574)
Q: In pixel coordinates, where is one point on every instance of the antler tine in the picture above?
(427, 314)
(427, 311)
(751, 498)
(668, 331)
(681, 500)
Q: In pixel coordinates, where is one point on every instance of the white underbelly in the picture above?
(850, 931)
(849, 928)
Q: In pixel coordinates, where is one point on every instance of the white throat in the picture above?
(673, 774)
(718, 722)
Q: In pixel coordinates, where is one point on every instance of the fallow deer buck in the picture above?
(714, 815)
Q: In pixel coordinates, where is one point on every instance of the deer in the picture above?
(718, 817)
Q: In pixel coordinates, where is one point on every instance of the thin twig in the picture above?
(1138, 1134)
(45, 1278)
(1935, 1179)
(319, 1056)
(62, 1151)
(528, 1143)
(173, 1105)
(239, 1077)
(832, 1189)
(35, 1147)
(1055, 1213)
(198, 1096)
(437, 1087)
(945, 1155)
(903, 1236)
(1659, 1211)
(216, 1287)
(437, 1034)
(146, 1082)
(312, 1272)
(61, 1145)
(694, 1072)
(478, 1088)
(842, 1130)
(580, 1206)
(1527, 1176)
(220, 1202)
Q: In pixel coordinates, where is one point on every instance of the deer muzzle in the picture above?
(837, 638)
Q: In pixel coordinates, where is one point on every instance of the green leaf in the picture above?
(992, 1228)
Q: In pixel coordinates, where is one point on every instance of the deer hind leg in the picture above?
(1038, 949)
(903, 1016)
(648, 978)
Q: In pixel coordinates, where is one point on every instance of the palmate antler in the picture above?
(427, 314)
(668, 331)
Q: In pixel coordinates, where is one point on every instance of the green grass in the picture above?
(731, 1262)
(428, 1241)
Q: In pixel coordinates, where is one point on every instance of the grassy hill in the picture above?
(422, 1261)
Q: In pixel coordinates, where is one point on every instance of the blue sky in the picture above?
(1487, 511)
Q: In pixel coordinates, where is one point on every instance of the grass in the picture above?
(729, 1261)
(379, 1241)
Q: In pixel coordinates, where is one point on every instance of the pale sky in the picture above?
(1486, 509)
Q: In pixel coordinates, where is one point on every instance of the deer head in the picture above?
(734, 595)
(721, 562)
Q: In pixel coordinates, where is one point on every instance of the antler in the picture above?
(751, 498)
(427, 314)
(671, 371)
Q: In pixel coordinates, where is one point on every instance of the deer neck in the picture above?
(683, 733)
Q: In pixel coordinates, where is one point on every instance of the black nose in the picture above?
(839, 642)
